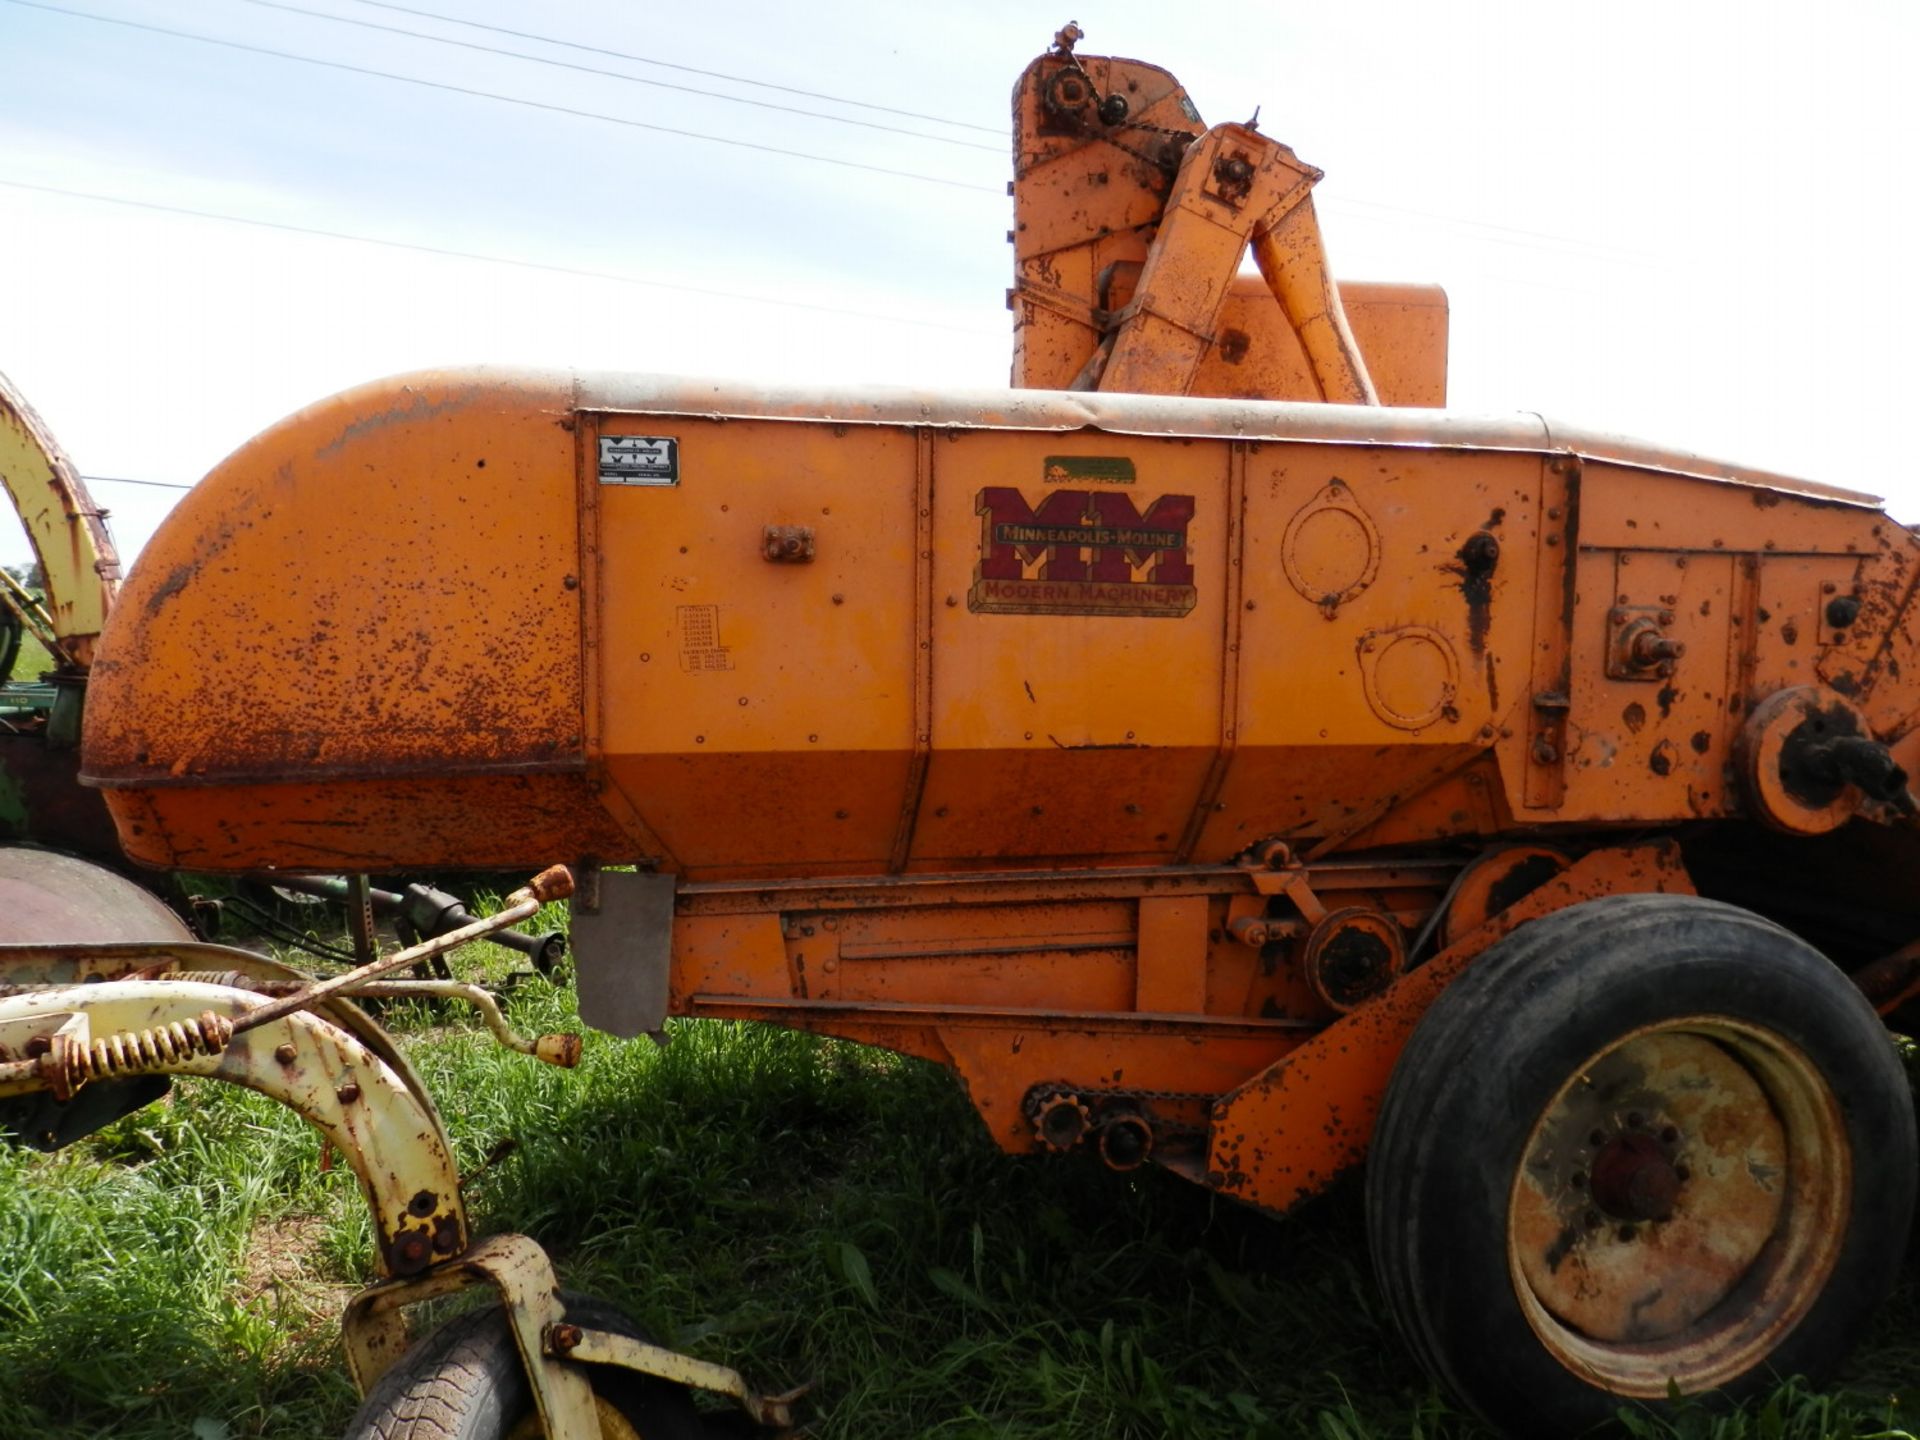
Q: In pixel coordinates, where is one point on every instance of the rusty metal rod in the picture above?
(428, 910)
(1892, 980)
(560, 1048)
(35, 618)
(554, 883)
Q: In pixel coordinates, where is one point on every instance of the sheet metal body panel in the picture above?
(437, 622)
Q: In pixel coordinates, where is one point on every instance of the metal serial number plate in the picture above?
(639, 460)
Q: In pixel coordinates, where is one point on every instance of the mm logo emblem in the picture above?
(1082, 552)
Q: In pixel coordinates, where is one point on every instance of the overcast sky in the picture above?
(1688, 221)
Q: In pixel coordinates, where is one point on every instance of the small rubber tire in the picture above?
(465, 1382)
(1519, 1039)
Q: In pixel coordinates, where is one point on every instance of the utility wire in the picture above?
(684, 69)
(1523, 238)
(582, 273)
(504, 99)
(123, 480)
(1380, 210)
(1520, 237)
(618, 75)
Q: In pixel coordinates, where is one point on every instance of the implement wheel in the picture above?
(465, 1382)
(1644, 1142)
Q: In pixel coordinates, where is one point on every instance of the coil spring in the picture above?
(132, 1051)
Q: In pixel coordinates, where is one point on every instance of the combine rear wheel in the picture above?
(1643, 1142)
(465, 1382)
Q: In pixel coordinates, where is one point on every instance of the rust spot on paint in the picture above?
(175, 582)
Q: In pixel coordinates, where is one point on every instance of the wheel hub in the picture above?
(1635, 1179)
(1688, 1163)
(1651, 1187)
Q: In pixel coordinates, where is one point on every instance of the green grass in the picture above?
(806, 1210)
(32, 662)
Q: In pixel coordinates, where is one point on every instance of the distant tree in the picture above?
(29, 575)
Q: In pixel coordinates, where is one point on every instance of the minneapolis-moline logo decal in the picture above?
(1082, 552)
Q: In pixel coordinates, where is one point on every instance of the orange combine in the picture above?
(1210, 776)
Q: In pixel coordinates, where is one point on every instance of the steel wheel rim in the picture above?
(613, 1425)
(1721, 1211)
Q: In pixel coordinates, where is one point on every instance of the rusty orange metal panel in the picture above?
(1232, 183)
(1402, 330)
(1656, 736)
(1088, 200)
(387, 596)
(1690, 602)
(755, 708)
(1400, 634)
(1171, 968)
(1081, 209)
(1075, 686)
(1001, 1064)
(487, 822)
(383, 585)
(1024, 956)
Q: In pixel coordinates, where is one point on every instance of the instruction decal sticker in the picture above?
(1082, 552)
(639, 460)
(701, 652)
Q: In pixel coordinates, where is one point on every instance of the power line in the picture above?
(1507, 235)
(617, 75)
(1501, 234)
(1521, 237)
(444, 252)
(127, 480)
(685, 69)
(504, 99)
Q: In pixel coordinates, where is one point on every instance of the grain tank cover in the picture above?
(501, 618)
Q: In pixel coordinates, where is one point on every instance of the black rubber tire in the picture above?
(465, 1382)
(1497, 1047)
